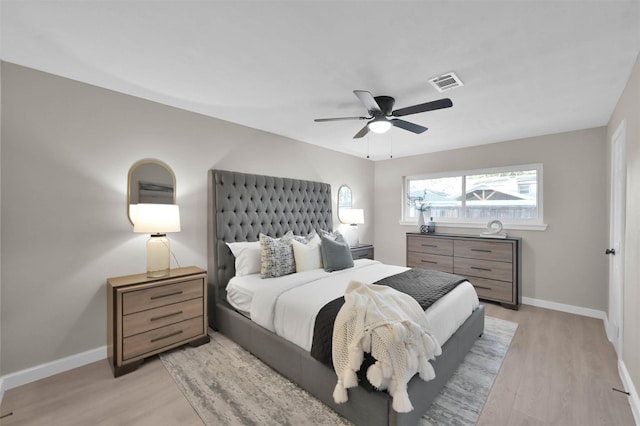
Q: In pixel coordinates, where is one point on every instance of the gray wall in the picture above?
(66, 150)
(628, 109)
(563, 264)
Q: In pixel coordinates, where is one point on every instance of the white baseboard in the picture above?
(634, 399)
(42, 371)
(585, 312)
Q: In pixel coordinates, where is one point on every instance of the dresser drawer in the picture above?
(487, 250)
(160, 295)
(432, 245)
(499, 291)
(501, 271)
(430, 261)
(140, 322)
(141, 344)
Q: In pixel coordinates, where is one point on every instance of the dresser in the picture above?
(363, 251)
(492, 265)
(146, 316)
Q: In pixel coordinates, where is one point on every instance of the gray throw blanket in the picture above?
(424, 285)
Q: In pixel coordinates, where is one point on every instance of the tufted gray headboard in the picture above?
(241, 206)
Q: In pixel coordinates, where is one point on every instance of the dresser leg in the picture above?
(127, 368)
(200, 341)
(509, 306)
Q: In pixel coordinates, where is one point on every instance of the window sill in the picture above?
(475, 225)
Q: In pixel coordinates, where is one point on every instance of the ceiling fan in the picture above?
(381, 108)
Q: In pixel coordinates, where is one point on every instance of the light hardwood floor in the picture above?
(560, 370)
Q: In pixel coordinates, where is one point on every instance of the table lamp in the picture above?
(157, 220)
(354, 217)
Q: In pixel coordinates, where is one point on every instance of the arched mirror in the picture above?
(345, 199)
(151, 182)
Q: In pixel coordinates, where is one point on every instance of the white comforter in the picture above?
(288, 305)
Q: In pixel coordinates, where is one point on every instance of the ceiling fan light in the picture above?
(379, 125)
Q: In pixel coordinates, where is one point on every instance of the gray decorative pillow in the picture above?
(336, 254)
(331, 235)
(276, 256)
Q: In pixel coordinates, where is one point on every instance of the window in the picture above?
(510, 194)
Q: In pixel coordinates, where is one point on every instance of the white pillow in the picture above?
(247, 257)
(308, 255)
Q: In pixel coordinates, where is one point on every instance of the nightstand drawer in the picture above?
(486, 250)
(501, 271)
(441, 246)
(499, 291)
(160, 295)
(430, 261)
(140, 322)
(144, 343)
(362, 252)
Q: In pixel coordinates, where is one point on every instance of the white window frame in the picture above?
(465, 222)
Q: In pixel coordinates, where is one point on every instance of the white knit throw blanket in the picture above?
(392, 327)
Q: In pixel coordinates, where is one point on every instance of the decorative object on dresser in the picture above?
(362, 251)
(431, 226)
(493, 266)
(157, 220)
(494, 230)
(146, 316)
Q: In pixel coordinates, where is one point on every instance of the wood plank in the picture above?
(90, 395)
(560, 369)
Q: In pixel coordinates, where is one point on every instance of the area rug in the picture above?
(227, 385)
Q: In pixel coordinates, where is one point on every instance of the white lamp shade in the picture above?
(352, 216)
(379, 125)
(156, 218)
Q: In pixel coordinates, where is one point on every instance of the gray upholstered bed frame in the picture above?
(243, 205)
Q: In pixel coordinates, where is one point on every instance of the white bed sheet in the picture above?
(288, 305)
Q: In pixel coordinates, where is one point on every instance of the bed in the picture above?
(241, 206)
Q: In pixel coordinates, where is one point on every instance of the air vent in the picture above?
(446, 82)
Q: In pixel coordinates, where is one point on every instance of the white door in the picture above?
(616, 236)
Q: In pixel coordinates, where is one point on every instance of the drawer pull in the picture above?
(482, 250)
(429, 245)
(167, 336)
(160, 296)
(481, 269)
(165, 316)
(482, 287)
(428, 261)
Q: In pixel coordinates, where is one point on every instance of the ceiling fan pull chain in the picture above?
(368, 146)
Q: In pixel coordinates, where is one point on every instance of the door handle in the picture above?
(610, 251)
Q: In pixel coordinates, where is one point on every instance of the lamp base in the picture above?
(158, 256)
(355, 238)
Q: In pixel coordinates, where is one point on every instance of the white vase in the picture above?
(421, 225)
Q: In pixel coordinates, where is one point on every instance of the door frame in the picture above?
(617, 214)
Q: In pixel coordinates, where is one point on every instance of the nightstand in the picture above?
(146, 316)
(363, 251)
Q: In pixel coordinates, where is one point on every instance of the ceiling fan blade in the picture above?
(369, 102)
(428, 106)
(321, 120)
(362, 132)
(408, 126)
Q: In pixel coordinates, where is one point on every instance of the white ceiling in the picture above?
(529, 67)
